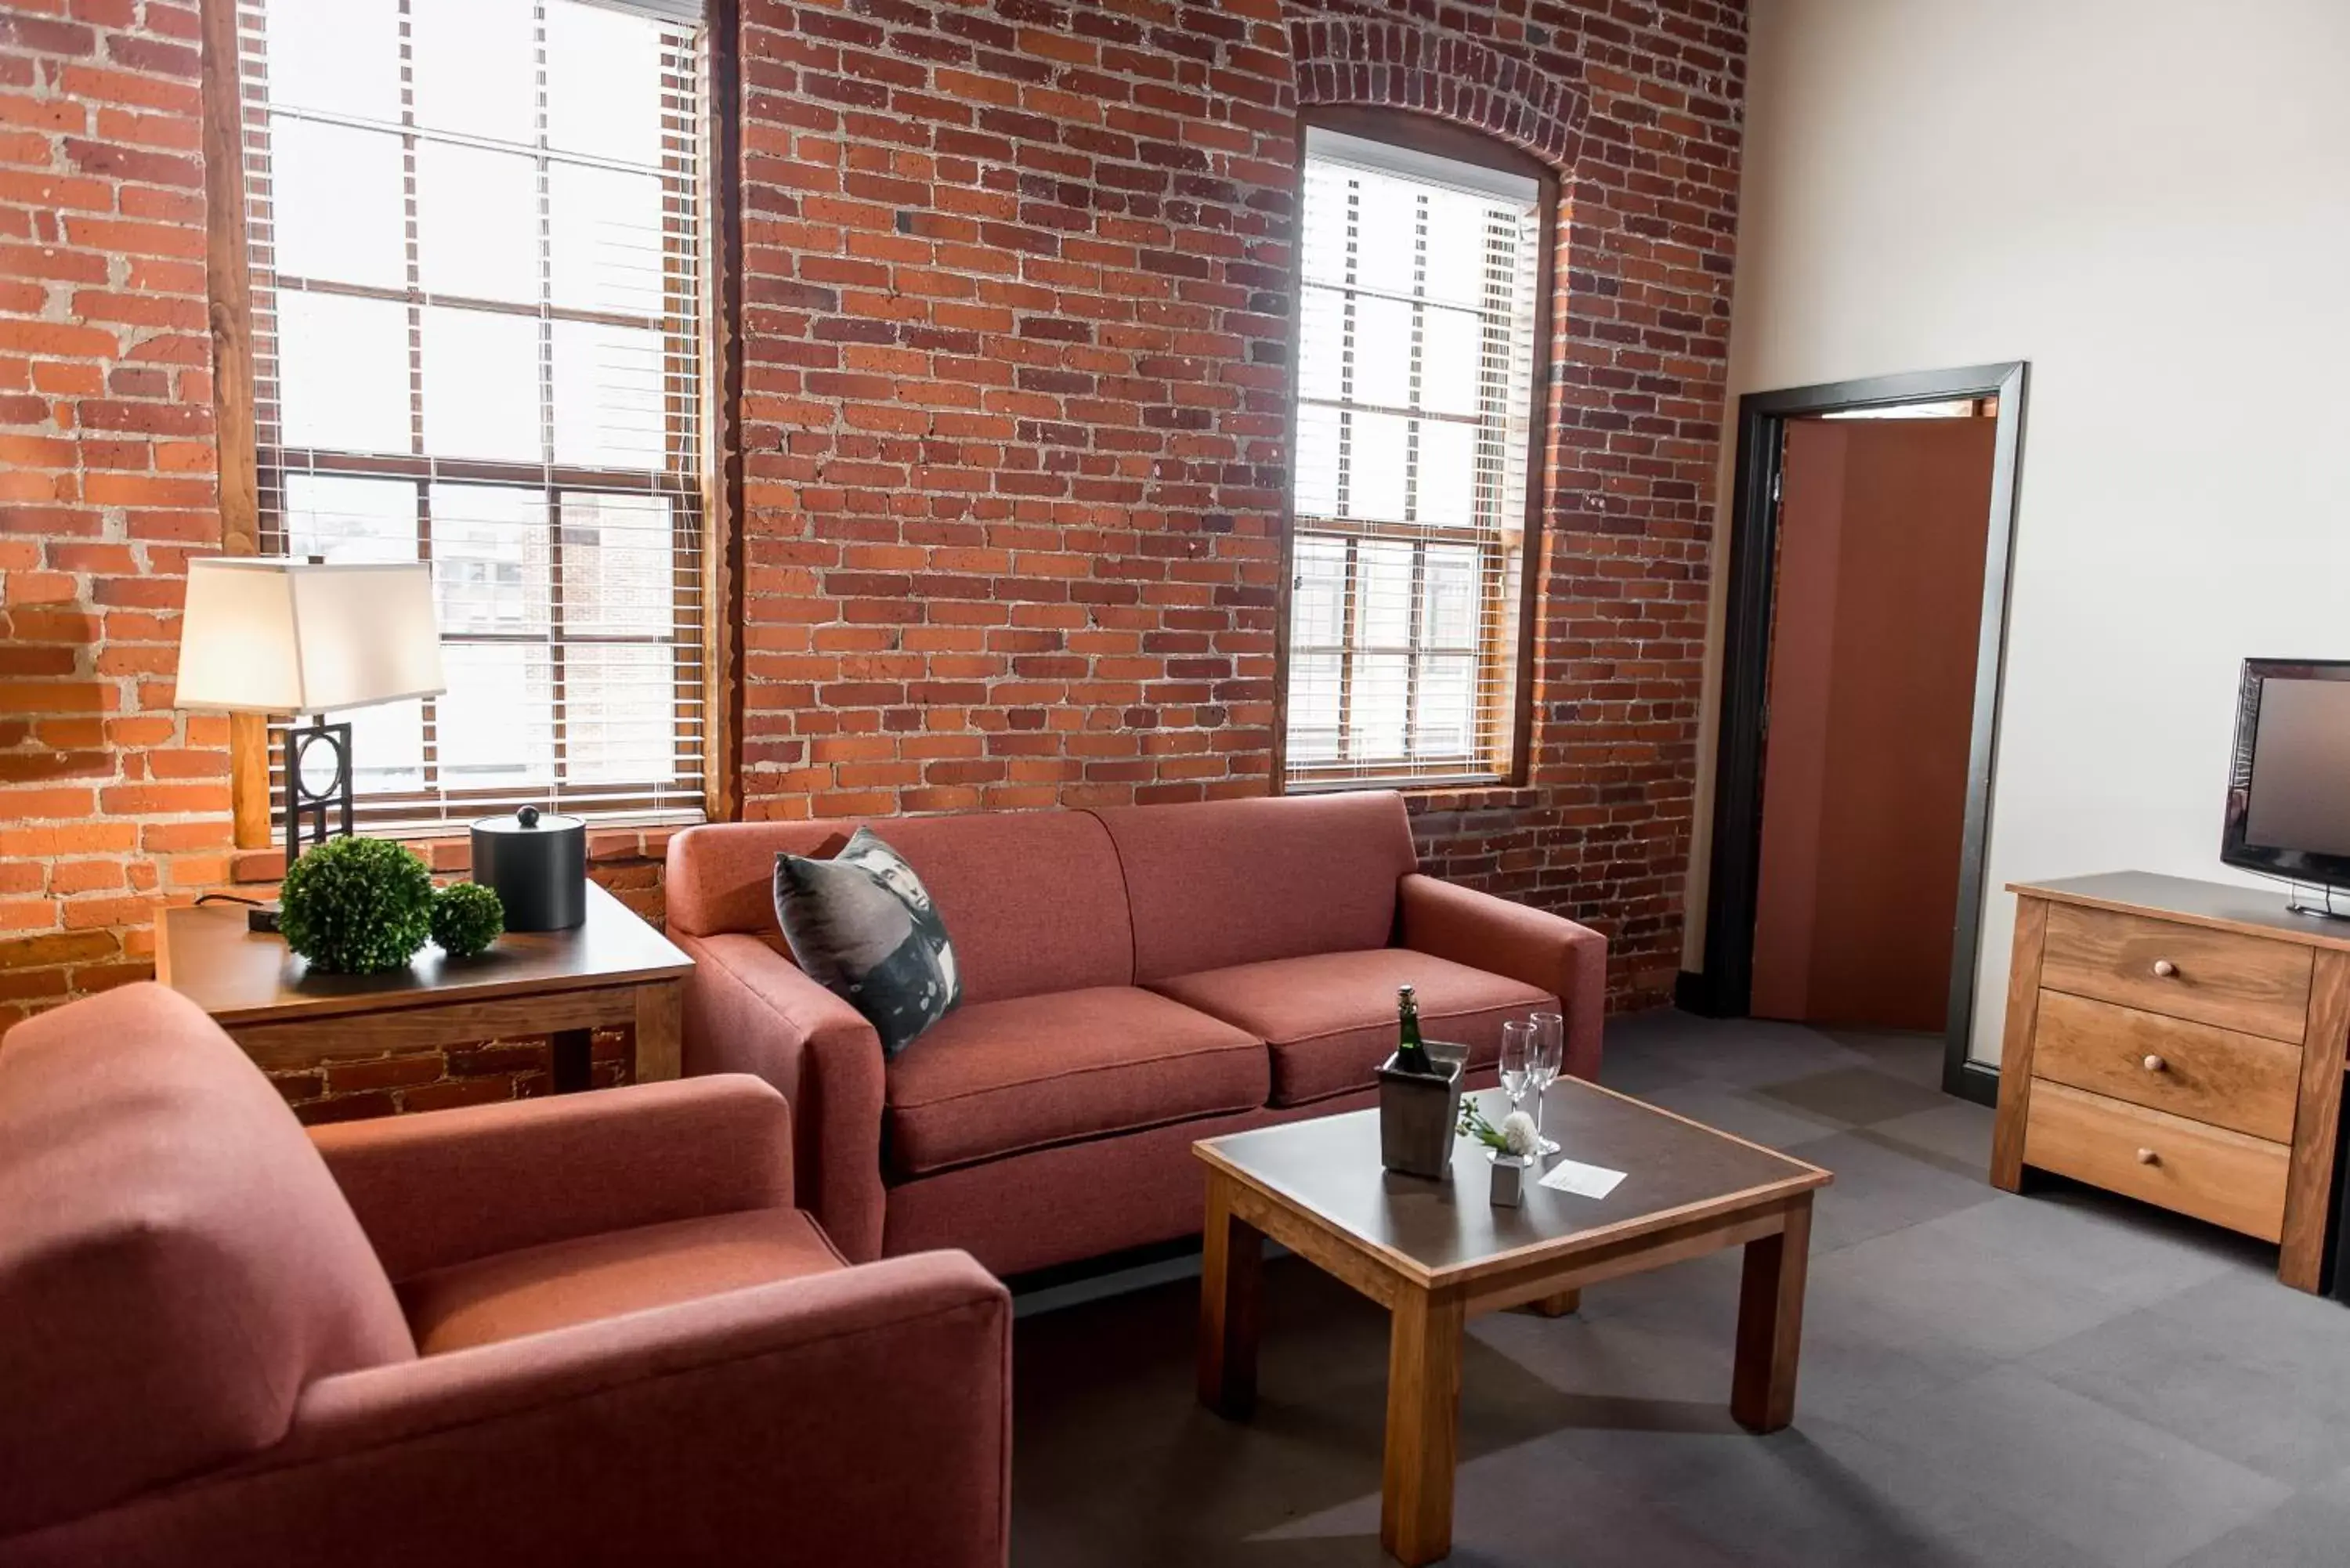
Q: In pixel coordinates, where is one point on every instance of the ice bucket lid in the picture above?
(529, 820)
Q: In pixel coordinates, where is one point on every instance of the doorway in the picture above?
(1871, 527)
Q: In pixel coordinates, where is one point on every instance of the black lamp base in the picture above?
(262, 918)
(314, 808)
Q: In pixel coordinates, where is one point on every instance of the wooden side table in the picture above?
(614, 968)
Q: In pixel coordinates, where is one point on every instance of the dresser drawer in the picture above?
(2179, 971)
(2244, 1082)
(2210, 1172)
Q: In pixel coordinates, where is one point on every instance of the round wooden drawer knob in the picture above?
(2165, 967)
(2155, 1063)
(2147, 1156)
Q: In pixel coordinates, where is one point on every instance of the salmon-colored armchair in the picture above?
(584, 1330)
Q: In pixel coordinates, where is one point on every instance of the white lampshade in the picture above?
(264, 635)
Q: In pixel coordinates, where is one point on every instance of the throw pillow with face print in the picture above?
(862, 926)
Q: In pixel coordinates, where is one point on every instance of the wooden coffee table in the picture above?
(1437, 1253)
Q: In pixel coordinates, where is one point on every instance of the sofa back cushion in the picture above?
(1236, 881)
(176, 1262)
(1033, 900)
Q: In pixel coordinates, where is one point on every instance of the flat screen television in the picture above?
(2289, 776)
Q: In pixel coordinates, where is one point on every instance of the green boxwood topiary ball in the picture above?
(467, 918)
(357, 906)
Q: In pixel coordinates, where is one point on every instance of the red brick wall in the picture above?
(1015, 404)
(1647, 221)
(109, 799)
(1016, 312)
(1017, 315)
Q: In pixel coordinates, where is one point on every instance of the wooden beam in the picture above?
(722, 543)
(228, 277)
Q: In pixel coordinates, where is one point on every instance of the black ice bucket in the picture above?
(537, 865)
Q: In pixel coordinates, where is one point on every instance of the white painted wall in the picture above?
(2149, 200)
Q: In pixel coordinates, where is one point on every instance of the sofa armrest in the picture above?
(861, 1416)
(748, 1009)
(452, 1186)
(1446, 920)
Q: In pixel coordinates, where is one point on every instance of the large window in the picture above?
(1416, 415)
(474, 231)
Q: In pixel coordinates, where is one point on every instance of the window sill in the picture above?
(1426, 796)
(1404, 784)
(414, 832)
(448, 848)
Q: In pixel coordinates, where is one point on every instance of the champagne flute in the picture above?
(1517, 1061)
(1549, 1057)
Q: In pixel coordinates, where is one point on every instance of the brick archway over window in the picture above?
(1400, 65)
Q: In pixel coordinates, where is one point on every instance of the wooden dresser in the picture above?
(2181, 1043)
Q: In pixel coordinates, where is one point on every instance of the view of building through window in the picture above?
(476, 237)
(1414, 414)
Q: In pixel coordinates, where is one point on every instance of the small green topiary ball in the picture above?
(357, 906)
(467, 918)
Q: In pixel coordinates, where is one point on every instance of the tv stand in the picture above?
(2329, 903)
(2181, 1042)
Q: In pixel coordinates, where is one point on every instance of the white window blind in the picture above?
(476, 232)
(1415, 409)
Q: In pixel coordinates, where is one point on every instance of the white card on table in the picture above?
(1583, 1180)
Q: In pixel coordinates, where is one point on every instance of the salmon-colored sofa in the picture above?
(584, 1330)
(1134, 979)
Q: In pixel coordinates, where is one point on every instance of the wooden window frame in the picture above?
(711, 504)
(1423, 134)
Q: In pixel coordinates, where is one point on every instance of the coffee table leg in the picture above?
(1559, 1305)
(1423, 1428)
(1770, 1322)
(1230, 1261)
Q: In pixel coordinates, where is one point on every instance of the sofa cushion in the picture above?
(995, 1077)
(1034, 898)
(863, 926)
(564, 1282)
(1229, 882)
(176, 1263)
(1330, 1019)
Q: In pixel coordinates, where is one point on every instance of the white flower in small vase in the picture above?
(1518, 1135)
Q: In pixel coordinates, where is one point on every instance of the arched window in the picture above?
(1424, 276)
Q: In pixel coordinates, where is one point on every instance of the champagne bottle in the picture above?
(1410, 1057)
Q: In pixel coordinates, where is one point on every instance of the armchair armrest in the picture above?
(456, 1185)
(861, 1416)
(1446, 920)
(748, 1009)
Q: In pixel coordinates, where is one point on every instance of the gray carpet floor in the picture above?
(2053, 1379)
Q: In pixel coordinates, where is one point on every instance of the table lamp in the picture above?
(270, 635)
